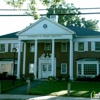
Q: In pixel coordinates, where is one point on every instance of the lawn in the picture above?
(78, 89)
(8, 85)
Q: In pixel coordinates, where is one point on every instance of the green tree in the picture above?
(32, 5)
(69, 15)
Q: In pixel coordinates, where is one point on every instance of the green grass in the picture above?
(78, 89)
(8, 85)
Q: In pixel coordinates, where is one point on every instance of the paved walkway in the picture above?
(35, 97)
(23, 89)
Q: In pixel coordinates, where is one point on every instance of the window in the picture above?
(99, 68)
(31, 68)
(79, 69)
(97, 45)
(81, 46)
(87, 69)
(90, 69)
(63, 47)
(32, 47)
(63, 68)
(2, 47)
(47, 46)
(14, 45)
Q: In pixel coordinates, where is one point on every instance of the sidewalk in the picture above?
(35, 97)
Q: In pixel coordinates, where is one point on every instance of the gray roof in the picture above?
(78, 30)
(89, 59)
(10, 35)
(84, 31)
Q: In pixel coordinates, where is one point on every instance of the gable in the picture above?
(45, 26)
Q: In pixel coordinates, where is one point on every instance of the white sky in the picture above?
(12, 24)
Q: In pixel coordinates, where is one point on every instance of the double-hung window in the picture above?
(14, 45)
(64, 47)
(32, 48)
(63, 68)
(97, 46)
(47, 46)
(31, 68)
(2, 47)
(81, 46)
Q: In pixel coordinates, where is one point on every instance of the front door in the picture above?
(46, 70)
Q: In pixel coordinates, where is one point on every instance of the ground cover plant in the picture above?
(78, 89)
(8, 84)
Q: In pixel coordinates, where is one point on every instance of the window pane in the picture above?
(64, 68)
(90, 69)
(49, 67)
(81, 46)
(79, 69)
(32, 48)
(47, 46)
(63, 47)
(2, 47)
(31, 68)
(44, 68)
(97, 45)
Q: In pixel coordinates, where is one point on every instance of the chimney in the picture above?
(54, 18)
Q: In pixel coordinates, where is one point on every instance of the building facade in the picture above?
(46, 48)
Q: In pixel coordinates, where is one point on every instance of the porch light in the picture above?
(14, 50)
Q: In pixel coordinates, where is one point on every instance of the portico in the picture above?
(40, 32)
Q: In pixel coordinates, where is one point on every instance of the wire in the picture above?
(48, 9)
(51, 14)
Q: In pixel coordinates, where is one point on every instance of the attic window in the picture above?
(45, 26)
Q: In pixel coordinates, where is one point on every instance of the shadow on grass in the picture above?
(55, 88)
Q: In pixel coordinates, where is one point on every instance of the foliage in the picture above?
(5, 76)
(31, 5)
(51, 78)
(78, 89)
(68, 15)
(88, 78)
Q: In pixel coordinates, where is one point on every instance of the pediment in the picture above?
(45, 26)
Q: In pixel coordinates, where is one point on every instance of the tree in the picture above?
(68, 15)
(32, 5)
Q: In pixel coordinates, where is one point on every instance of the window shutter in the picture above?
(21, 47)
(11, 47)
(6, 47)
(92, 46)
(76, 46)
(85, 46)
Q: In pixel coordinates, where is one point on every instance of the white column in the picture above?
(71, 60)
(53, 48)
(24, 58)
(19, 54)
(35, 60)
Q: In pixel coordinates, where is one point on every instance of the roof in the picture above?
(84, 31)
(78, 30)
(10, 35)
(89, 59)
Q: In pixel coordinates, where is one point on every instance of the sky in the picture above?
(13, 24)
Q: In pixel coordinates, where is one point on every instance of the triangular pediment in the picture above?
(45, 26)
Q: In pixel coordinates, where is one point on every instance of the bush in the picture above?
(60, 78)
(51, 78)
(88, 78)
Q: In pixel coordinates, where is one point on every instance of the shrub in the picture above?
(51, 78)
(60, 78)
